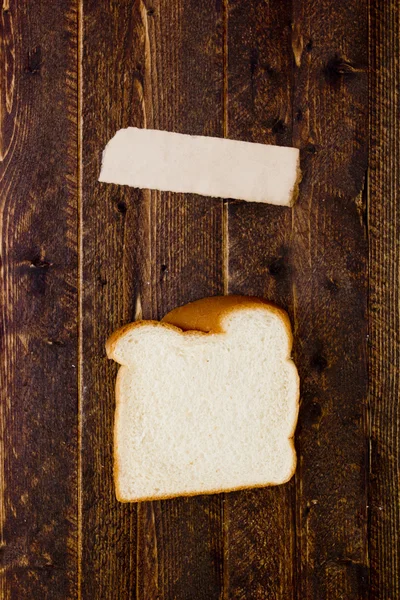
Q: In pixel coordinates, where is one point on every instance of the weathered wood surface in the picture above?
(79, 259)
(38, 372)
(329, 255)
(143, 254)
(259, 524)
(314, 263)
(384, 318)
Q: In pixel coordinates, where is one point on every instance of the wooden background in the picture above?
(79, 259)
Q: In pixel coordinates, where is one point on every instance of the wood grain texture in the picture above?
(113, 50)
(181, 239)
(259, 524)
(38, 219)
(384, 318)
(314, 263)
(79, 259)
(143, 254)
(328, 258)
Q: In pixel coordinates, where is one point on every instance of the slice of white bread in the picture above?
(206, 400)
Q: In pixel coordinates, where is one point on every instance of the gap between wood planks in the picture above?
(80, 286)
(225, 258)
(225, 213)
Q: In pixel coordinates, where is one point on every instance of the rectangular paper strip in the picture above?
(174, 162)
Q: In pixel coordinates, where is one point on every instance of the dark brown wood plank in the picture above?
(259, 524)
(113, 54)
(144, 253)
(315, 265)
(328, 259)
(384, 323)
(181, 236)
(38, 184)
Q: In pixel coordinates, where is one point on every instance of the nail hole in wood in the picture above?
(332, 285)
(311, 149)
(121, 206)
(277, 268)
(319, 362)
(34, 63)
(269, 70)
(253, 61)
(279, 126)
(56, 343)
(314, 411)
(38, 263)
(339, 68)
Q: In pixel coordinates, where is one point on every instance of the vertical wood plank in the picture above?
(259, 524)
(38, 221)
(384, 235)
(153, 65)
(113, 44)
(328, 257)
(322, 281)
(180, 540)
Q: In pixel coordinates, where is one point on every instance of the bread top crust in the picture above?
(203, 316)
(207, 315)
